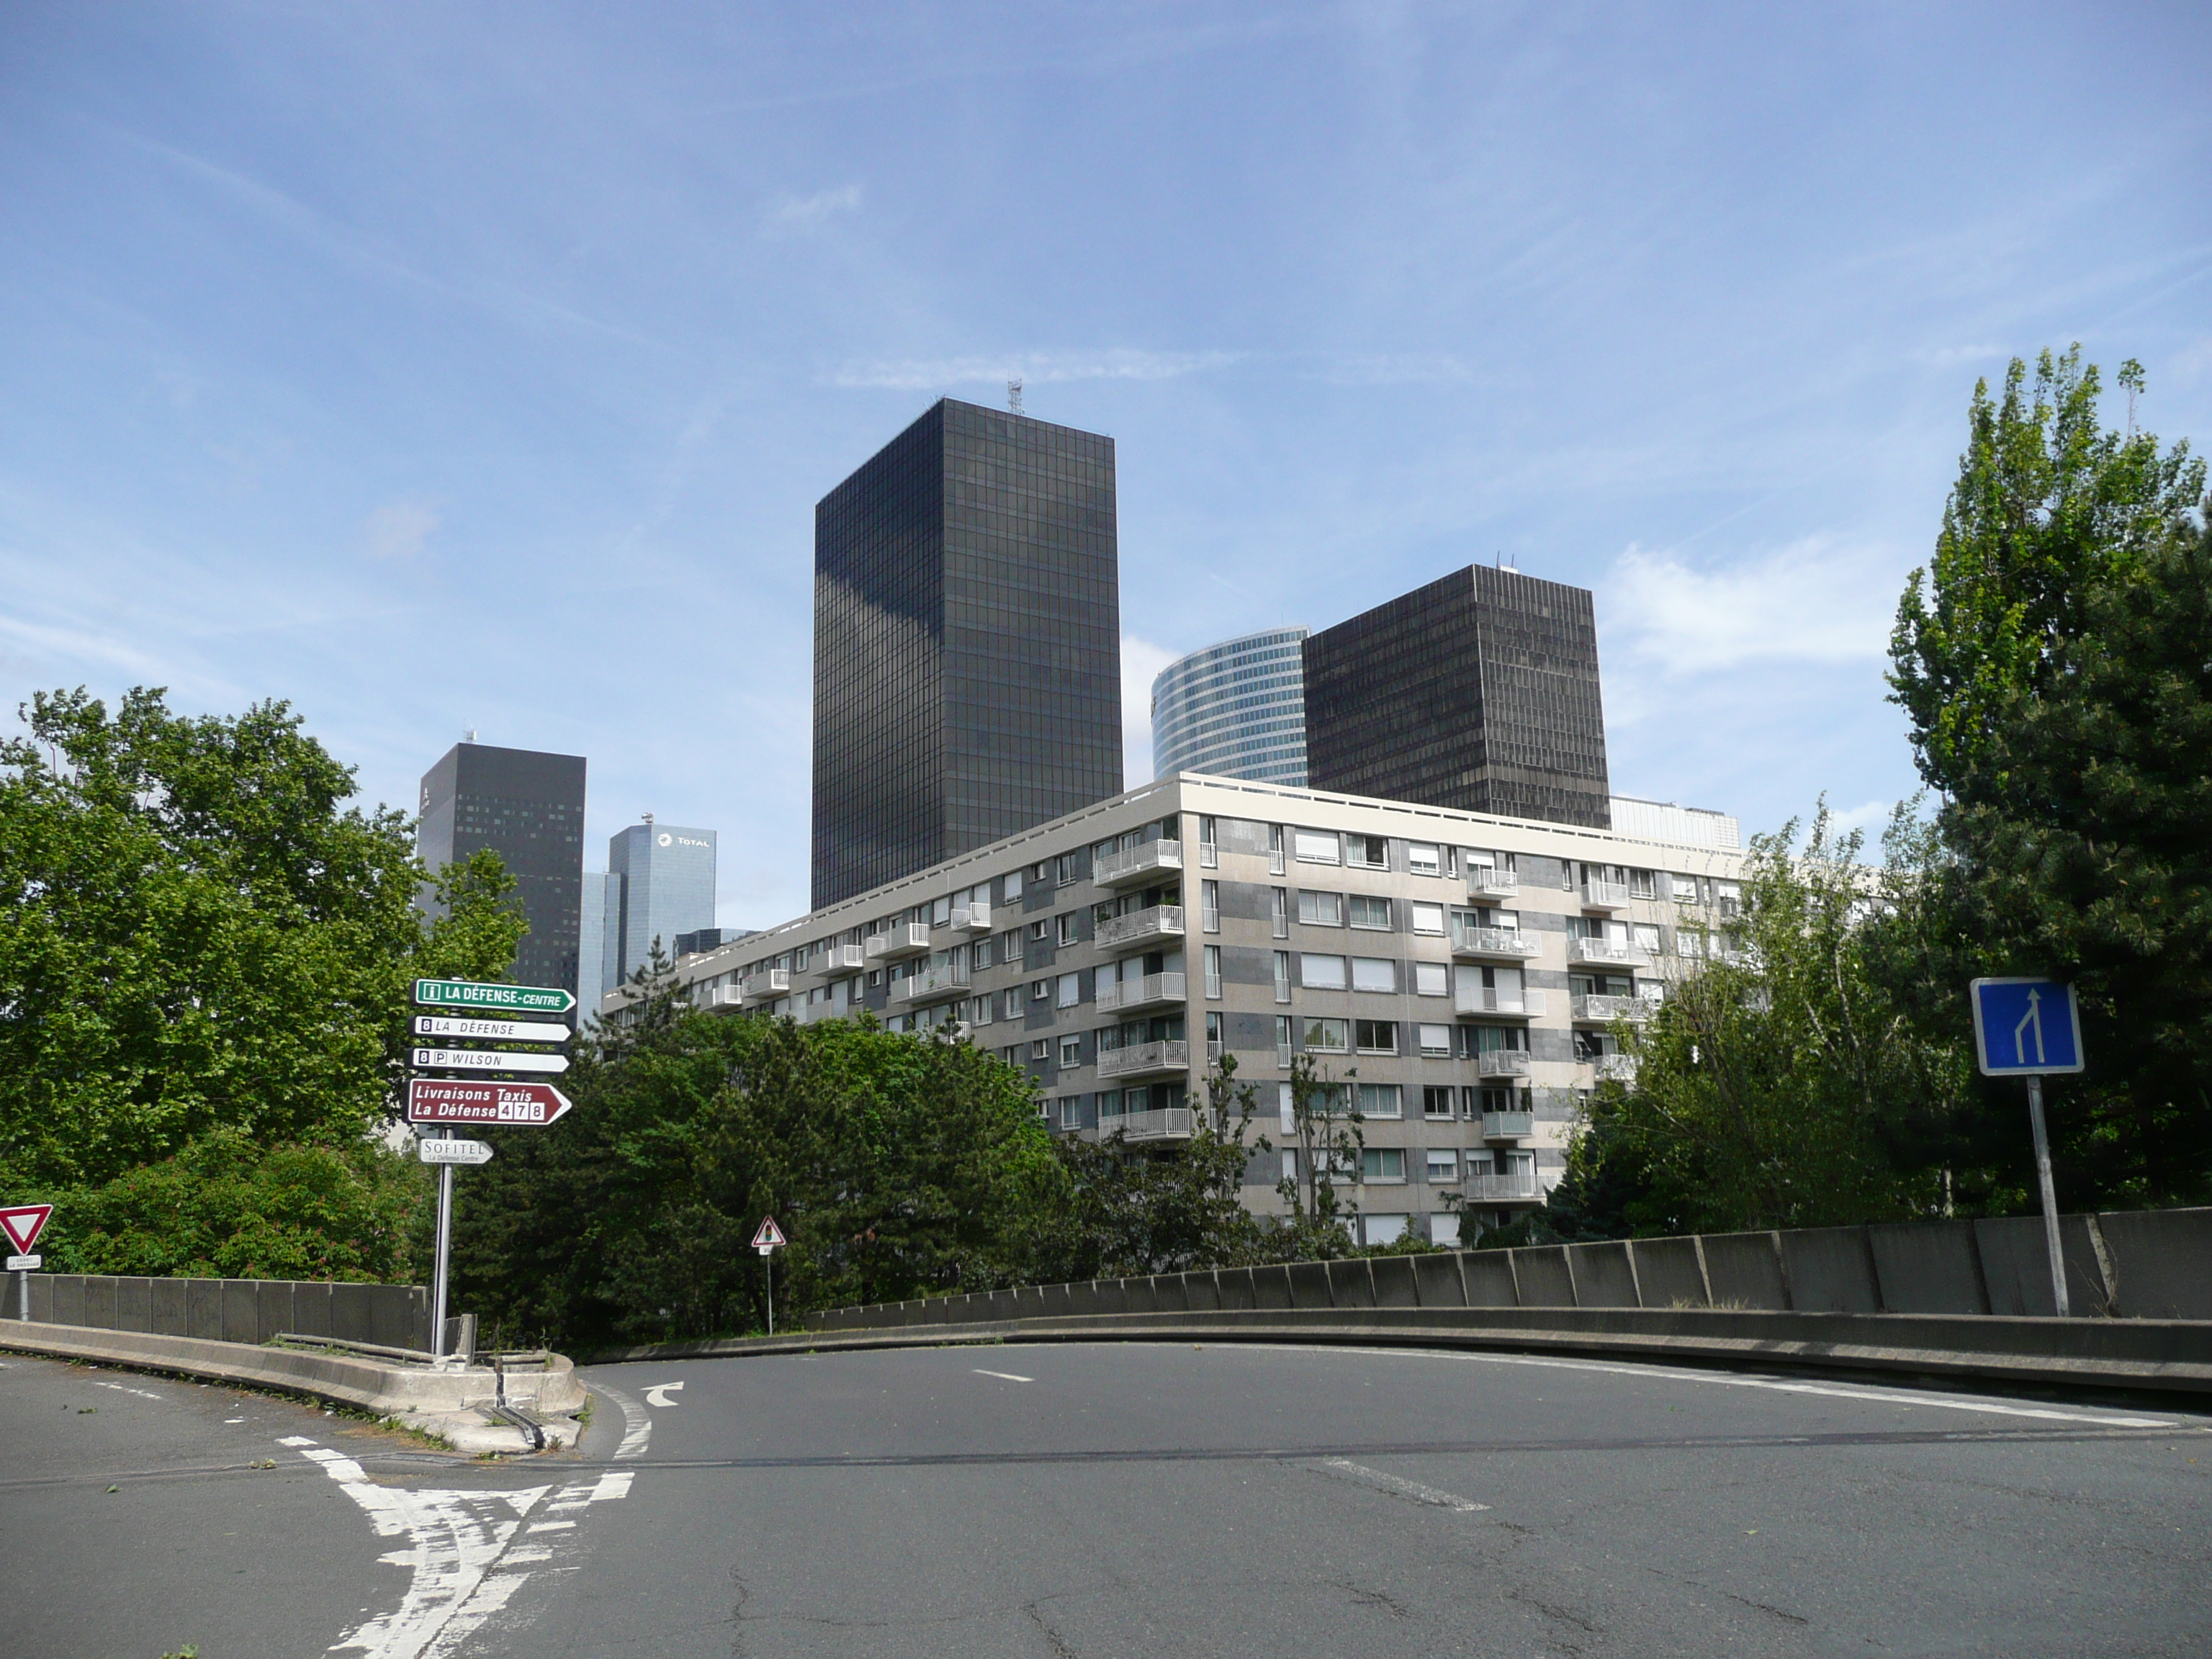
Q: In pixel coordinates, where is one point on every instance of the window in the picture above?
(1286, 1105)
(1283, 1042)
(1378, 1037)
(1320, 973)
(1217, 1032)
(1444, 1165)
(1289, 1165)
(940, 913)
(1109, 1104)
(1381, 1100)
(1436, 1100)
(1040, 929)
(1065, 866)
(1070, 991)
(875, 977)
(1209, 906)
(1281, 913)
(1647, 938)
(1014, 885)
(1431, 978)
(1368, 852)
(1314, 847)
(1040, 990)
(1640, 884)
(1282, 976)
(1213, 970)
(1011, 1003)
(1374, 973)
(1435, 1041)
(1070, 1112)
(1328, 1037)
(1320, 909)
(1041, 1048)
(1071, 1051)
(1067, 928)
(1370, 912)
(977, 1010)
(1428, 918)
(1010, 948)
(1383, 1164)
(1421, 858)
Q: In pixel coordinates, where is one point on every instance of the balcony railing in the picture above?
(726, 996)
(1615, 1068)
(1131, 863)
(909, 938)
(930, 982)
(1490, 999)
(1489, 1187)
(1210, 919)
(1162, 1123)
(1594, 1010)
(1503, 1062)
(1508, 1126)
(1509, 943)
(1144, 1059)
(1485, 882)
(1606, 952)
(974, 917)
(1276, 863)
(1214, 1048)
(843, 958)
(1605, 895)
(1209, 855)
(1160, 922)
(1140, 993)
(768, 983)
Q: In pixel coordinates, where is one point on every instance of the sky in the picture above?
(439, 367)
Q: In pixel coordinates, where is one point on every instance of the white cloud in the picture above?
(1872, 815)
(1141, 662)
(1814, 601)
(1034, 368)
(787, 215)
(399, 529)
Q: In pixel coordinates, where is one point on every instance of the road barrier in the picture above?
(248, 1311)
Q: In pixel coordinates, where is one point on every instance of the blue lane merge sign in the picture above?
(2024, 1025)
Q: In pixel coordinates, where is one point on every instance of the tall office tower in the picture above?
(1235, 710)
(1478, 692)
(967, 643)
(528, 808)
(664, 876)
(596, 939)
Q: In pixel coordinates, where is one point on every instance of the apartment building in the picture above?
(1457, 978)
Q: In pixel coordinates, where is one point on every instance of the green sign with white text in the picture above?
(475, 993)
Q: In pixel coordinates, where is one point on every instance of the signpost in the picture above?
(23, 1223)
(766, 1241)
(2028, 1028)
(438, 1103)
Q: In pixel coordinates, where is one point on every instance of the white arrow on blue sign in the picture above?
(2026, 1027)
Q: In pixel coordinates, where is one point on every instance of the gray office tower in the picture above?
(967, 643)
(1478, 692)
(660, 884)
(528, 808)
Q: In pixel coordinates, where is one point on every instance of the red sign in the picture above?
(770, 1234)
(532, 1105)
(25, 1223)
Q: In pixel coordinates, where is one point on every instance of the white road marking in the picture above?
(1649, 1373)
(1006, 1376)
(638, 1424)
(1401, 1487)
(659, 1393)
(119, 1388)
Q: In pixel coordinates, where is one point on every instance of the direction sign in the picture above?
(2026, 1027)
(502, 998)
(26, 1264)
(488, 1059)
(453, 1152)
(770, 1234)
(24, 1223)
(489, 1031)
(453, 1100)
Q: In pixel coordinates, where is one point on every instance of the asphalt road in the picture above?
(1110, 1499)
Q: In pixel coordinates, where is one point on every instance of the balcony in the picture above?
(725, 996)
(1135, 864)
(972, 918)
(930, 982)
(841, 958)
(1122, 933)
(1508, 1126)
(1484, 882)
(767, 985)
(1592, 1010)
(1615, 1068)
(1166, 1123)
(909, 938)
(1515, 1186)
(1607, 952)
(1145, 1059)
(1503, 1062)
(1489, 999)
(1148, 992)
(1502, 944)
(1605, 895)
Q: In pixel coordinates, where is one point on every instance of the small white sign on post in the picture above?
(26, 1264)
(445, 1151)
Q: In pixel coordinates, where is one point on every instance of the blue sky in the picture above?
(433, 366)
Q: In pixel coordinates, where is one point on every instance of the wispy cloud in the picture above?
(1394, 368)
(794, 215)
(1817, 601)
(1141, 662)
(398, 529)
(1036, 367)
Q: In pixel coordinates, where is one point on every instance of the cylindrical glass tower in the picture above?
(1235, 710)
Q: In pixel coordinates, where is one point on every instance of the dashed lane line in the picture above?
(1398, 1486)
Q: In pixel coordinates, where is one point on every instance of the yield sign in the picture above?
(26, 1221)
(770, 1234)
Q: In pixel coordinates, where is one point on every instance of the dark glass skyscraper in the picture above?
(527, 807)
(1479, 691)
(967, 643)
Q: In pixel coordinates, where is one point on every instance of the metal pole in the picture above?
(445, 1252)
(2049, 1195)
(23, 1297)
(768, 1256)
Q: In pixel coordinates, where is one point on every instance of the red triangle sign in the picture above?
(770, 1234)
(25, 1223)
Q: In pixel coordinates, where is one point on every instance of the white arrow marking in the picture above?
(659, 1393)
(2033, 1017)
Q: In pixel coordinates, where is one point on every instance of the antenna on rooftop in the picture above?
(468, 734)
(1014, 398)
